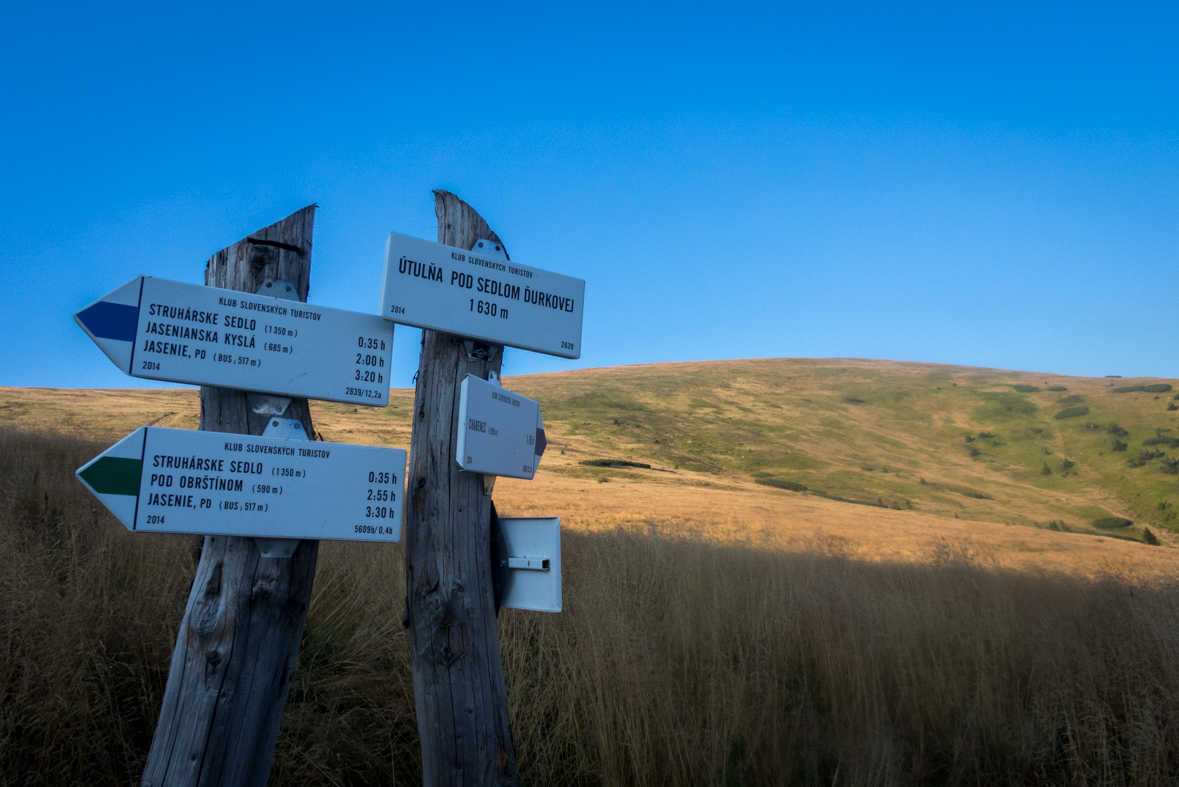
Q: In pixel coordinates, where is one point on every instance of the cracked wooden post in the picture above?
(239, 640)
(458, 677)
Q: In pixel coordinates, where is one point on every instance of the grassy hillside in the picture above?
(954, 450)
(972, 443)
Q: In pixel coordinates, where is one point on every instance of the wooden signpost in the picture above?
(239, 640)
(458, 679)
(262, 493)
(471, 300)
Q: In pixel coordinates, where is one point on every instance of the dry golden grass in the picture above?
(716, 630)
(677, 660)
(758, 517)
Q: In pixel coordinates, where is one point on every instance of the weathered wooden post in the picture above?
(239, 640)
(458, 679)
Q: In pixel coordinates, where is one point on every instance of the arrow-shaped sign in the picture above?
(185, 333)
(180, 481)
(481, 294)
(500, 432)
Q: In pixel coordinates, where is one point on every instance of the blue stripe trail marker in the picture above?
(186, 333)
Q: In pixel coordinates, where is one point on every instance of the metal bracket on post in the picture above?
(266, 404)
(279, 289)
(489, 480)
(285, 429)
(476, 348)
(281, 429)
(480, 350)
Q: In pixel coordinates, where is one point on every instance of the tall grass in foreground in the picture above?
(675, 661)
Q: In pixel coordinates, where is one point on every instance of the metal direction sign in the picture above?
(482, 295)
(185, 333)
(532, 579)
(163, 480)
(500, 432)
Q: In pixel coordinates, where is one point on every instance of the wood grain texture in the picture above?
(239, 640)
(458, 678)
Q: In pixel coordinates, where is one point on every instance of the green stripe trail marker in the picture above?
(180, 481)
(113, 475)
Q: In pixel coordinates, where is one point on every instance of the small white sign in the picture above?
(500, 432)
(482, 295)
(185, 333)
(533, 576)
(163, 480)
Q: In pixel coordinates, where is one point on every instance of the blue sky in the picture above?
(991, 186)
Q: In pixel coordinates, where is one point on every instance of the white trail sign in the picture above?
(500, 432)
(162, 480)
(186, 333)
(482, 295)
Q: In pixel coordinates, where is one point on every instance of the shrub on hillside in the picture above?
(1116, 431)
(1071, 412)
(1118, 445)
(1112, 523)
(1149, 537)
(1025, 388)
(1170, 466)
(1170, 442)
(781, 483)
(614, 463)
(1045, 470)
(1153, 388)
(1056, 388)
